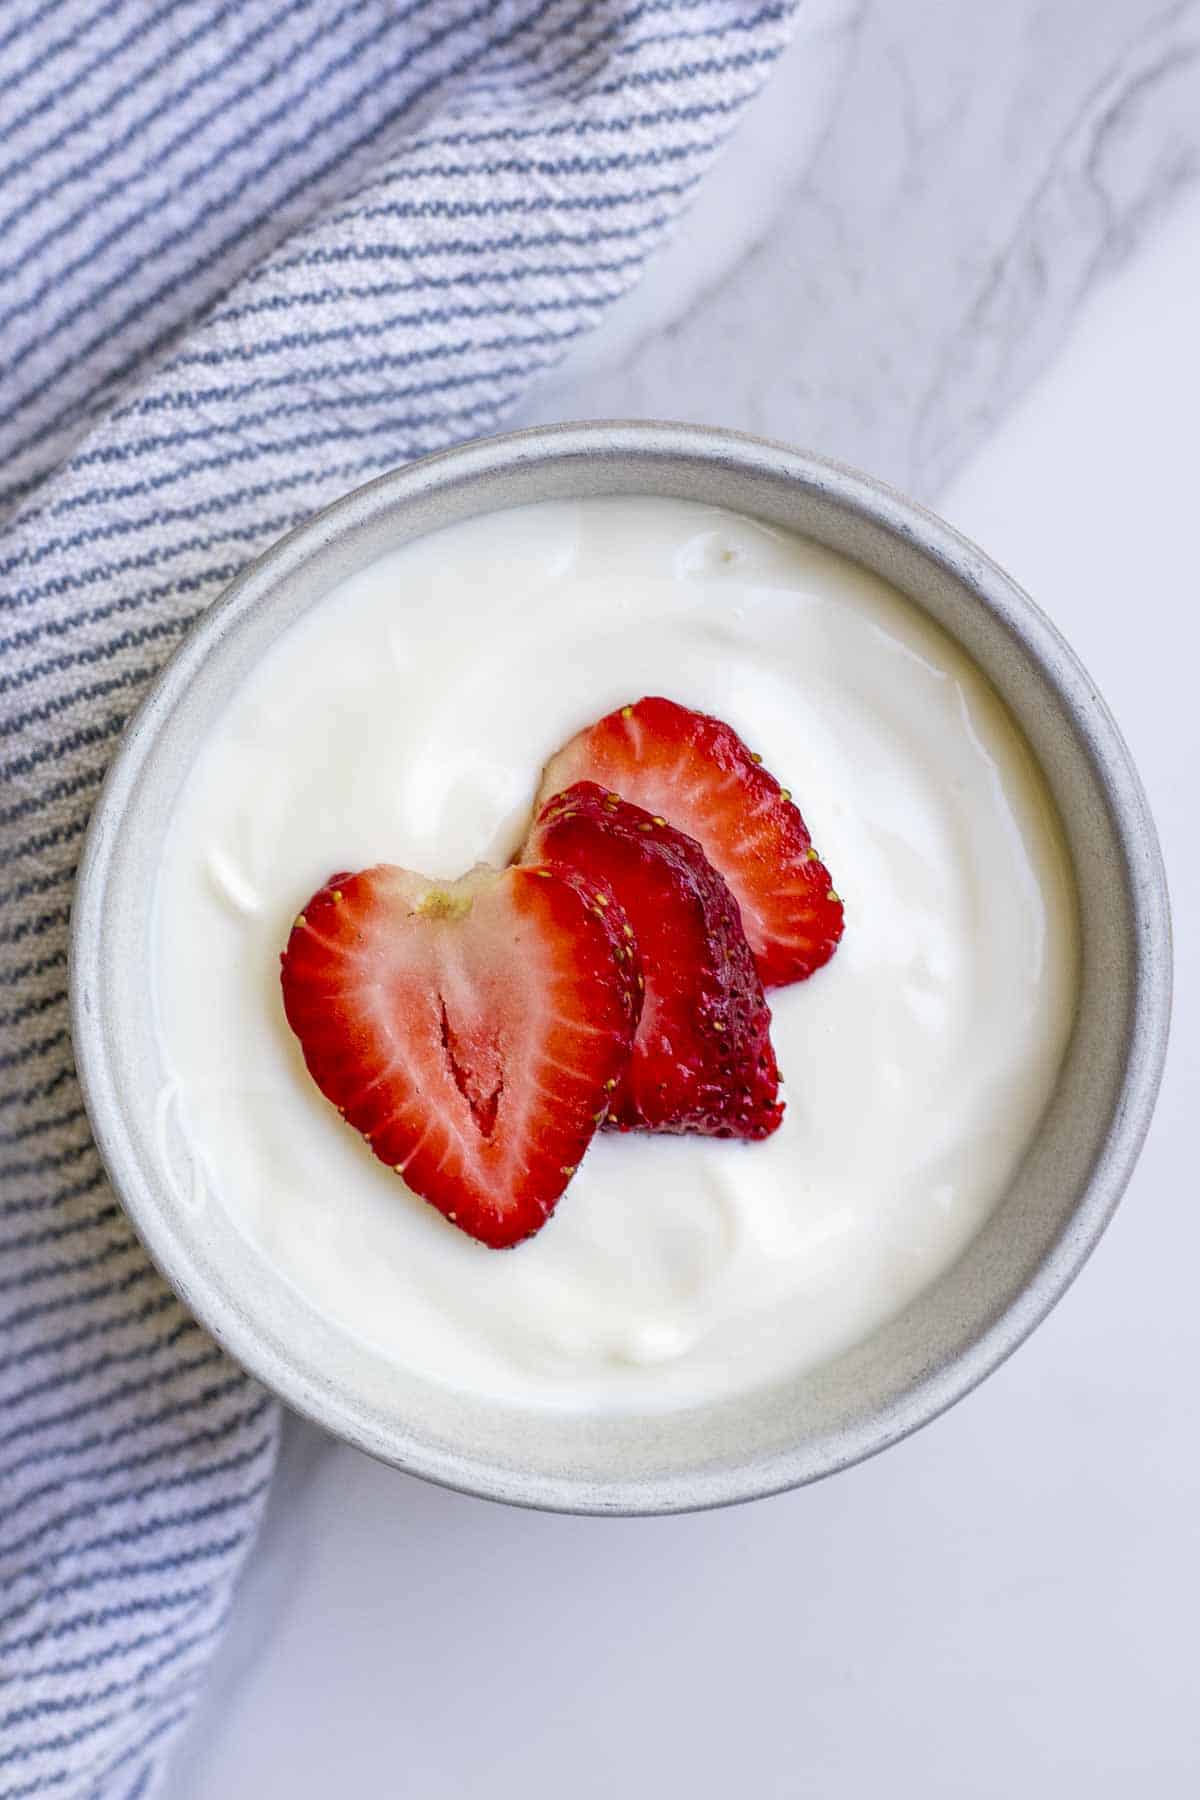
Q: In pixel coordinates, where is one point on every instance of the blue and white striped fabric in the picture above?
(251, 253)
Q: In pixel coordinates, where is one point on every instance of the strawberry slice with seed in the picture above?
(696, 772)
(702, 1059)
(473, 1031)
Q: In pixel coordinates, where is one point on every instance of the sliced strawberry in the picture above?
(473, 1031)
(697, 772)
(702, 1059)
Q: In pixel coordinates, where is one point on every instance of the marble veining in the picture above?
(904, 229)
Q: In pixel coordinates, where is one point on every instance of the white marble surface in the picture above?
(1006, 1603)
(908, 221)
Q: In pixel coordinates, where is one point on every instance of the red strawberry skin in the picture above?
(473, 1031)
(696, 771)
(702, 1059)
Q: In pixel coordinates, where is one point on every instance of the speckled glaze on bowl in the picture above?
(953, 1334)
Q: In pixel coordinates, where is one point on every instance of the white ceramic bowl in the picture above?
(955, 1332)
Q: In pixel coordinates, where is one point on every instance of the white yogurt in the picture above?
(407, 720)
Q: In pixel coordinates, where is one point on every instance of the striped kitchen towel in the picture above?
(252, 252)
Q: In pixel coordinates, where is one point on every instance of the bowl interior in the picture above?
(957, 1330)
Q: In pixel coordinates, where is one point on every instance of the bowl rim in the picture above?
(864, 497)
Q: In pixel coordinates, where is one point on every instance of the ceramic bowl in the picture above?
(955, 1332)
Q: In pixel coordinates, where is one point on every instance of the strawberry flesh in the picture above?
(702, 1059)
(697, 772)
(473, 1031)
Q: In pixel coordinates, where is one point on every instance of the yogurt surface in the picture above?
(406, 720)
